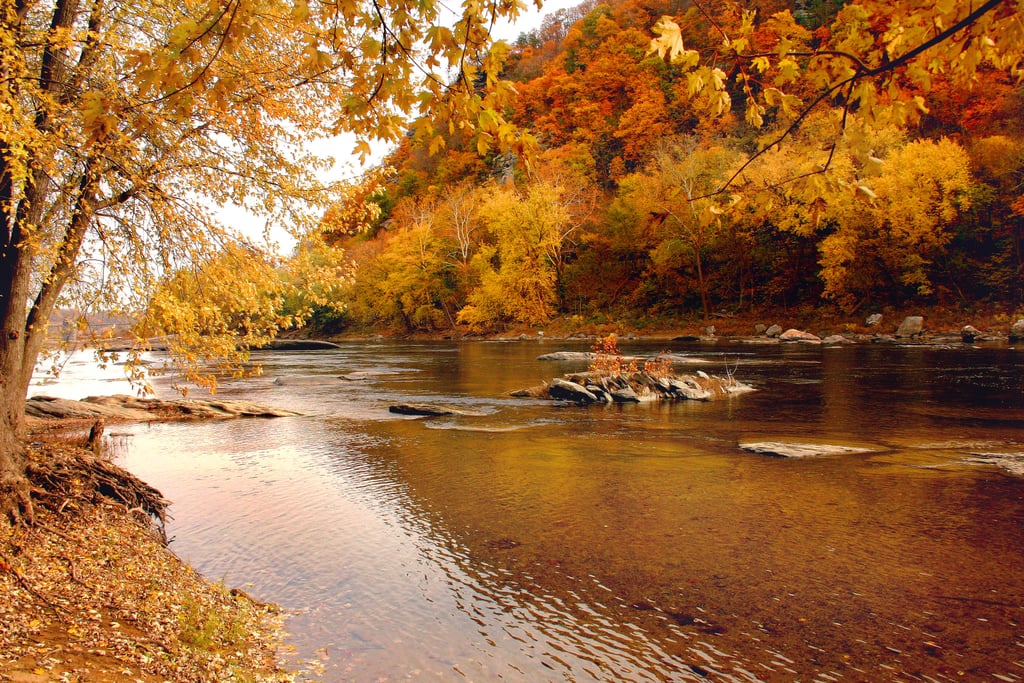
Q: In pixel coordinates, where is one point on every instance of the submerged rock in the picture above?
(786, 449)
(568, 355)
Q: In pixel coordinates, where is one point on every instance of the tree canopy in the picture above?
(123, 124)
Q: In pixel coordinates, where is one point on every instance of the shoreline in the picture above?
(91, 591)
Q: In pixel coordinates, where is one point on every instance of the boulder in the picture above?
(794, 335)
(689, 389)
(786, 449)
(836, 339)
(970, 334)
(912, 326)
(564, 390)
(568, 356)
(874, 320)
(773, 331)
(1017, 331)
(122, 407)
(760, 328)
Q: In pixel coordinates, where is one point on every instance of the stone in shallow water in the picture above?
(1009, 462)
(786, 449)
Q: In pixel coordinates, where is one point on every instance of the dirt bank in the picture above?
(91, 593)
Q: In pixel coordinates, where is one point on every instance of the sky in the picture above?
(347, 165)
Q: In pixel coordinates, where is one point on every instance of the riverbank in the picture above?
(91, 593)
(940, 325)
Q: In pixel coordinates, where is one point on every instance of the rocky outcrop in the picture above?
(1017, 331)
(1012, 463)
(786, 449)
(122, 407)
(794, 335)
(598, 387)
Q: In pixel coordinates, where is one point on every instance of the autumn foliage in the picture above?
(711, 159)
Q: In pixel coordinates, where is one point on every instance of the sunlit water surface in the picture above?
(538, 542)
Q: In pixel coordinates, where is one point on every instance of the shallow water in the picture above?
(625, 543)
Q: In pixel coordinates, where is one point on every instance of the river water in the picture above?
(538, 542)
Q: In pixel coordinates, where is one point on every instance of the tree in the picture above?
(121, 123)
(672, 194)
(518, 272)
(878, 59)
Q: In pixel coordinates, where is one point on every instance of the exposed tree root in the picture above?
(64, 476)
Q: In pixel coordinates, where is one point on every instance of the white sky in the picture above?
(346, 164)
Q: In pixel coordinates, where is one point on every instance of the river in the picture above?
(539, 542)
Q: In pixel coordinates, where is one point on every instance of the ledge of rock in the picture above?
(787, 449)
(133, 408)
(298, 345)
(428, 410)
(636, 387)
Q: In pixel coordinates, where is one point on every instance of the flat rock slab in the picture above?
(135, 409)
(299, 345)
(428, 410)
(787, 449)
(1010, 462)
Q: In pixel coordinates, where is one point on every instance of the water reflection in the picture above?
(625, 543)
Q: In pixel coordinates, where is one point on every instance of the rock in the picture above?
(625, 395)
(564, 390)
(689, 389)
(836, 339)
(970, 334)
(1010, 462)
(760, 328)
(773, 331)
(784, 449)
(134, 409)
(426, 410)
(794, 335)
(568, 355)
(1017, 331)
(874, 320)
(710, 330)
(539, 391)
(298, 345)
(912, 326)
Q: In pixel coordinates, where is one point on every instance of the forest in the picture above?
(653, 191)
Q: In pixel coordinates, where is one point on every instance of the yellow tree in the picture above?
(122, 122)
(672, 194)
(518, 272)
